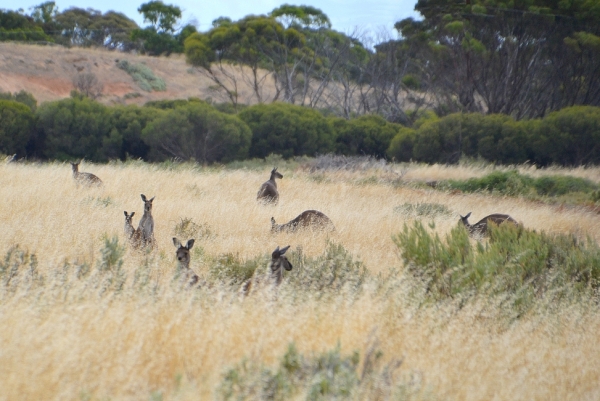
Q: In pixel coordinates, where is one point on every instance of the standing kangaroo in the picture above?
(132, 235)
(183, 260)
(274, 272)
(480, 228)
(87, 179)
(268, 191)
(308, 219)
(146, 225)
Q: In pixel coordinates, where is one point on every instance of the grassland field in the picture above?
(67, 339)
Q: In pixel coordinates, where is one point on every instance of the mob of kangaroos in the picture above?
(278, 263)
(480, 228)
(187, 275)
(309, 219)
(86, 179)
(268, 193)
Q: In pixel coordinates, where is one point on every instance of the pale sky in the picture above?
(372, 17)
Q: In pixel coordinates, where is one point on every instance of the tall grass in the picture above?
(83, 316)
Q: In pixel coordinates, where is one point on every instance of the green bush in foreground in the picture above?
(516, 262)
(327, 376)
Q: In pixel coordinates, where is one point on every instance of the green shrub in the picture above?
(333, 270)
(513, 184)
(327, 376)
(517, 263)
(432, 210)
(143, 76)
(229, 269)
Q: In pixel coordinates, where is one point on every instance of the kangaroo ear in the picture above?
(143, 197)
(272, 221)
(282, 251)
(152, 199)
(190, 244)
(125, 213)
(132, 213)
(467, 216)
(176, 243)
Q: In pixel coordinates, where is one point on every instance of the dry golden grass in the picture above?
(65, 343)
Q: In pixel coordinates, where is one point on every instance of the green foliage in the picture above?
(287, 130)
(198, 132)
(229, 269)
(514, 184)
(129, 122)
(162, 16)
(365, 135)
(420, 210)
(19, 268)
(519, 264)
(143, 76)
(330, 272)
(329, 375)
(16, 127)
(187, 228)
(18, 27)
(401, 146)
(77, 128)
(22, 97)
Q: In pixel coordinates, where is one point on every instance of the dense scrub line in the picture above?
(193, 129)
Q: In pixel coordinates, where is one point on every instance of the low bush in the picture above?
(516, 263)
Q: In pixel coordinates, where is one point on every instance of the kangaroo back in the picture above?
(268, 192)
(309, 219)
(87, 179)
(480, 228)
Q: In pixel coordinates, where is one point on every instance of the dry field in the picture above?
(68, 342)
(47, 72)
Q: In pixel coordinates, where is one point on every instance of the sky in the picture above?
(373, 17)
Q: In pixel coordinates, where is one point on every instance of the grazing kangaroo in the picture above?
(146, 225)
(268, 191)
(87, 179)
(480, 228)
(133, 235)
(183, 261)
(275, 271)
(312, 219)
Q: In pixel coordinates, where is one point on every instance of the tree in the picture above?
(198, 132)
(16, 127)
(523, 59)
(18, 27)
(162, 16)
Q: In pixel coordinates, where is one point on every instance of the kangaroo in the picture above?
(275, 270)
(146, 225)
(312, 219)
(480, 228)
(87, 179)
(268, 191)
(183, 260)
(132, 235)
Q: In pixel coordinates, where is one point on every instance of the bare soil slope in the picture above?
(47, 72)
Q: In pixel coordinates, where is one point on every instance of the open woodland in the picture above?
(84, 319)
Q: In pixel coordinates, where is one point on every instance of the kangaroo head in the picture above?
(147, 203)
(128, 217)
(279, 260)
(183, 252)
(465, 219)
(75, 167)
(275, 174)
(274, 226)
